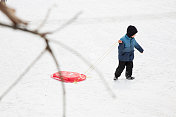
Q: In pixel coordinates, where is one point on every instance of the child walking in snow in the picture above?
(126, 53)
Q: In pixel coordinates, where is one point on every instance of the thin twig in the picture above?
(22, 75)
(58, 68)
(45, 20)
(67, 23)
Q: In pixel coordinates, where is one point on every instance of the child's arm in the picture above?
(138, 47)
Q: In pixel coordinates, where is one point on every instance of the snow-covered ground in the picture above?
(101, 24)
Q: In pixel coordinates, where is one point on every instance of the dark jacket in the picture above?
(126, 48)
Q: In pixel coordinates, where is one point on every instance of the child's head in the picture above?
(131, 31)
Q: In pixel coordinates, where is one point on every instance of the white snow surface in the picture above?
(101, 24)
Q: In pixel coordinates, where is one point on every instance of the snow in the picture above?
(101, 24)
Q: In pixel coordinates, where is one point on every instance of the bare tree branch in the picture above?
(22, 75)
(43, 35)
(10, 13)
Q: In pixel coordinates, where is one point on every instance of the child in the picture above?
(126, 53)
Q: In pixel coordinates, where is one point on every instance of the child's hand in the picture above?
(119, 41)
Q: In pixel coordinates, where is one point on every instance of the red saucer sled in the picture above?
(68, 77)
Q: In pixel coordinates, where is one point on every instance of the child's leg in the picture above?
(129, 69)
(120, 68)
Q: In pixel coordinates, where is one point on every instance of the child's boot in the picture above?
(115, 78)
(130, 78)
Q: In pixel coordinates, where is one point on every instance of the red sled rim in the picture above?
(68, 77)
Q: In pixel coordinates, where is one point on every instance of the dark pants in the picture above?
(120, 68)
